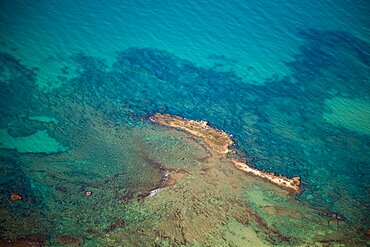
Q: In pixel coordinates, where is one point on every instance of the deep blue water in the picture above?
(290, 80)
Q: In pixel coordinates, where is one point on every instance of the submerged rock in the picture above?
(88, 193)
(15, 197)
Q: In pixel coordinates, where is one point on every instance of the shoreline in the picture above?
(218, 142)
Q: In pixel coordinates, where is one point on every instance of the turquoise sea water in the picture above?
(290, 80)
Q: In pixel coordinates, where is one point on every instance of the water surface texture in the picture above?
(290, 80)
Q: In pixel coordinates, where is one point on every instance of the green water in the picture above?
(288, 80)
(40, 142)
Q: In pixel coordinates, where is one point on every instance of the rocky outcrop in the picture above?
(218, 142)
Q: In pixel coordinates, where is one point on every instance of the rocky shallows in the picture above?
(218, 143)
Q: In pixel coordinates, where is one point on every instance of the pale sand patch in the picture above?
(43, 119)
(40, 142)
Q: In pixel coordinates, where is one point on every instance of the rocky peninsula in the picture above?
(218, 142)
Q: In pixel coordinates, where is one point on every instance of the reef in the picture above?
(198, 187)
(119, 159)
(218, 142)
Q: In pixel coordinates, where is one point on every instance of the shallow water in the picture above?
(289, 81)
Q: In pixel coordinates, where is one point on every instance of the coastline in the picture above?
(218, 142)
